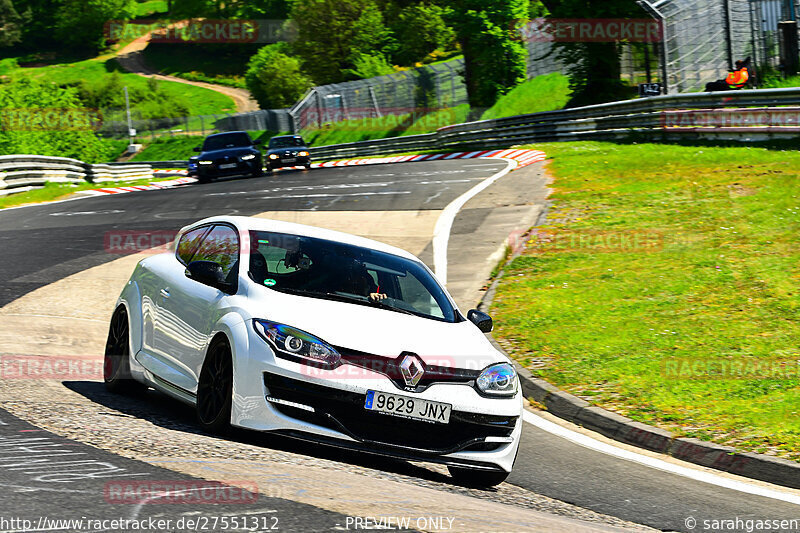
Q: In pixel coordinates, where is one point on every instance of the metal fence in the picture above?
(703, 38)
(745, 116)
(433, 86)
(115, 124)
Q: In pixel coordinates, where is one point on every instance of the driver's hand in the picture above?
(377, 296)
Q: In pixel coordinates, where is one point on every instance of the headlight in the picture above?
(206, 162)
(498, 380)
(248, 157)
(297, 345)
(303, 154)
(273, 156)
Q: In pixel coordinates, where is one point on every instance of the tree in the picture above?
(593, 68)
(275, 79)
(333, 34)
(494, 57)
(37, 32)
(11, 23)
(420, 29)
(81, 23)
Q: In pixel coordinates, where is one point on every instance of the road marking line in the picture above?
(328, 195)
(441, 232)
(658, 464)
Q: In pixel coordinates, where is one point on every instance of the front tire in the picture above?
(477, 478)
(116, 361)
(215, 388)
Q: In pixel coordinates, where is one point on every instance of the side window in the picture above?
(221, 245)
(188, 244)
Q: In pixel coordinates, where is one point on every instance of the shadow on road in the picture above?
(168, 413)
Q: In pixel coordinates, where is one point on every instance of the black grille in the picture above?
(344, 411)
(390, 367)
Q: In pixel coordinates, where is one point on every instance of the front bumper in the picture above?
(273, 394)
(242, 167)
(283, 162)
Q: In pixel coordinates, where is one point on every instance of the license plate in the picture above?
(289, 159)
(228, 165)
(407, 407)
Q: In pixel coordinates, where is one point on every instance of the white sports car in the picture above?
(318, 335)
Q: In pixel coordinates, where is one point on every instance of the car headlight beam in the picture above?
(498, 380)
(204, 162)
(248, 157)
(303, 153)
(273, 156)
(294, 344)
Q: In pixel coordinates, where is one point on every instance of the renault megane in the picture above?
(318, 335)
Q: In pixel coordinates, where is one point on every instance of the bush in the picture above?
(149, 102)
(275, 79)
(19, 137)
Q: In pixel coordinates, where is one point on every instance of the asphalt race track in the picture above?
(40, 245)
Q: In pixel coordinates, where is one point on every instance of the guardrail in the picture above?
(747, 116)
(22, 173)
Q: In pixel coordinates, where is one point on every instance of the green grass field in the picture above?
(201, 101)
(149, 8)
(662, 270)
(542, 93)
(386, 126)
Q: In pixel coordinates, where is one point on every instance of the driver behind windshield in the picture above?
(356, 280)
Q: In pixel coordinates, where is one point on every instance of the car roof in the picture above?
(292, 228)
(226, 133)
(287, 137)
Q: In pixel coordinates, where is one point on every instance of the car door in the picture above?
(151, 284)
(189, 310)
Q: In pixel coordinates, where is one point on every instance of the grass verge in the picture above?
(542, 93)
(61, 191)
(665, 287)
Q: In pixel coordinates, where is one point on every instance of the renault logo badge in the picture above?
(412, 370)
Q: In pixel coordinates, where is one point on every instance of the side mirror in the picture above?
(208, 273)
(197, 149)
(480, 319)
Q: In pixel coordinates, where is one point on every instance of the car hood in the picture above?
(236, 151)
(287, 151)
(381, 332)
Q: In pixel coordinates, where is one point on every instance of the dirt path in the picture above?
(131, 59)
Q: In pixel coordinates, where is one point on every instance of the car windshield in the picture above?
(286, 142)
(229, 140)
(331, 270)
